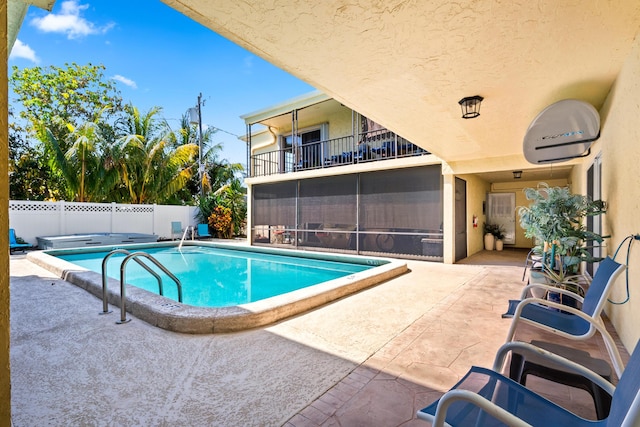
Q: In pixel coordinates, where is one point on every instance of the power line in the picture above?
(215, 128)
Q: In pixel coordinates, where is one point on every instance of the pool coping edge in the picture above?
(168, 314)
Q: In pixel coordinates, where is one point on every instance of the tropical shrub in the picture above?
(555, 218)
(220, 220)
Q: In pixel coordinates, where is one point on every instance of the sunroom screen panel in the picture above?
(275, 204)
(329, 201)
(405, 199)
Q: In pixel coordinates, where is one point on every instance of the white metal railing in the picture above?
(365, 147)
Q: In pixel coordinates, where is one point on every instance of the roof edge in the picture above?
(285, 107)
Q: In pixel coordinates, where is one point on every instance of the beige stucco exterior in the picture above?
(621, 186)
(5, 370)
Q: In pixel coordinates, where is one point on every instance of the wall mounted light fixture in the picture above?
(470, 106)
(517, 174)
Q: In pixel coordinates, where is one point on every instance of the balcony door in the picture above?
(303, 151)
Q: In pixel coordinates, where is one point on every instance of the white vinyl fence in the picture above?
(40, 219)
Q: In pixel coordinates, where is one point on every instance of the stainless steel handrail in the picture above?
(123, 311)
(185, 235)
(105, 305)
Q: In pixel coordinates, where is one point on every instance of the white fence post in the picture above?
(63, 228)
(113, 217)
(154, 221)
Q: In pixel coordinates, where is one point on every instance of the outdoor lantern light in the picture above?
(517, 174)
(470, 106)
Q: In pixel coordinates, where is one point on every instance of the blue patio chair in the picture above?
(203, 231)
(484, 397)
(570, 322)
(13, 243)
(176, 230)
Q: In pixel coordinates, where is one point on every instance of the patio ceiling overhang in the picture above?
(406, 64)
(16, 11)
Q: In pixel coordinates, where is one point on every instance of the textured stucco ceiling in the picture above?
(16, 11)
(407, 63)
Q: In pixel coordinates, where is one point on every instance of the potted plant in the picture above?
(493, 235)
(555, 219)
(489, 239)
(498, 234)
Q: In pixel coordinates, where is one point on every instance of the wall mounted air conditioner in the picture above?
(562, 131)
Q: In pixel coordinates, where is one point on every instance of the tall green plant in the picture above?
(231, 196)
(555, 217)
(88, 172)
(152, 169)
(60, 99)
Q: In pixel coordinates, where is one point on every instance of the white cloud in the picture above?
(21, 50)
(68, 21)
(125, 81)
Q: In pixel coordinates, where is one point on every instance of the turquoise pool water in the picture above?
(216, 277)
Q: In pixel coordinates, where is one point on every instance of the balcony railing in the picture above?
(365, 147)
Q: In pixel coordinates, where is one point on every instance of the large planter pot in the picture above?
(536, 276)
(561, 299)
(488, 241)
(499, 245)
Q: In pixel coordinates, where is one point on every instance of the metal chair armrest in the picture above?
(477, 400)
(523, 347)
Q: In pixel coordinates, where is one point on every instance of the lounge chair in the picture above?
(484, 397)
(570, 322)
(203, 231)
(533, 261)
(176, 230)
(13, 243)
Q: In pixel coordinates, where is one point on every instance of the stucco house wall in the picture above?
(620, 146)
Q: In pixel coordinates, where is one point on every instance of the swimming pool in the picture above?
(221, 277)
(248, 305)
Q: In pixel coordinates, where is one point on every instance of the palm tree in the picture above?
(234, 197)
(187, 133)
(152, 169)
(88, 173)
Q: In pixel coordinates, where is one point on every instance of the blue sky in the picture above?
(159, 58)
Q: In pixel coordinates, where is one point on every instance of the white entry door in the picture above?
(502, 210)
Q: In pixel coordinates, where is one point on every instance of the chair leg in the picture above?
(513, 327)
(612, 349)
(609, 343)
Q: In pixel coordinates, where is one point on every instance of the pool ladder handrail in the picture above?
(184, 235)
(134, 256)
(105, 305)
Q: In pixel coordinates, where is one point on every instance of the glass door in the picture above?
(502, 211)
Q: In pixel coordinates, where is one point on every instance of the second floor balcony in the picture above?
(373, 146)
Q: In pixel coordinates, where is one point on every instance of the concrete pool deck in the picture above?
(371, 359)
